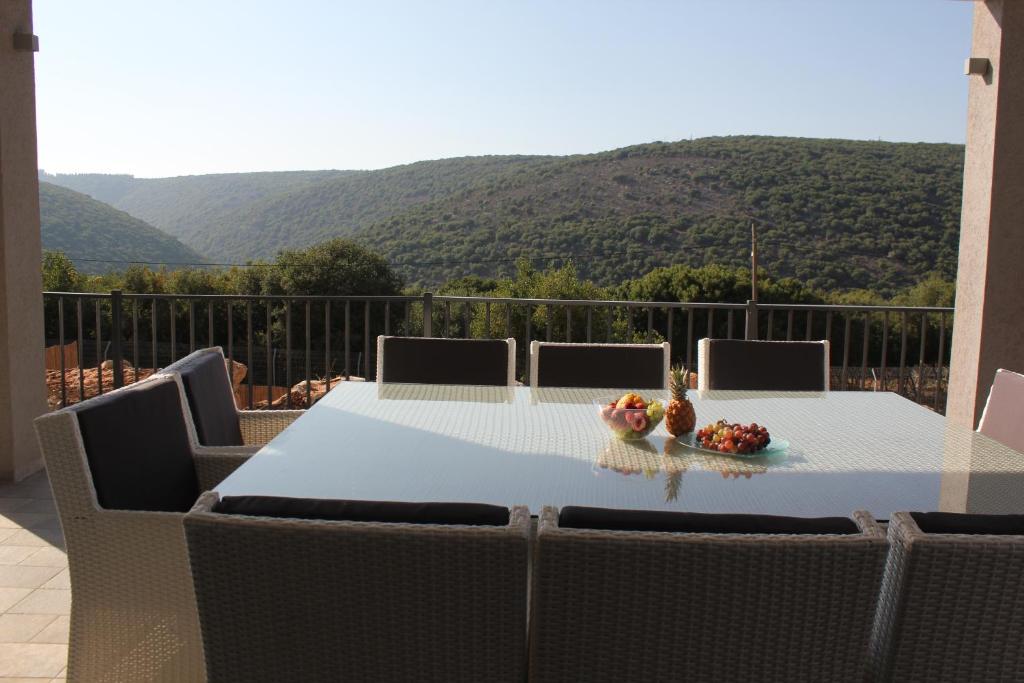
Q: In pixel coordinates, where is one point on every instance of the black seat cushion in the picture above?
(212, 401)
(957, 523)
(765, 365)
(138, 449)
(419, 360)
(573, 517)
(604, 367)
(364, 510)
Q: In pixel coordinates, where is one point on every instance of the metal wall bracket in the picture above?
(26, 42)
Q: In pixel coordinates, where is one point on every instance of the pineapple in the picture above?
(680, 417)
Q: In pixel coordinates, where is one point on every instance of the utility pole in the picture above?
(753, 262)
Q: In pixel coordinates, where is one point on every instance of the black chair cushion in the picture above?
(212, 401)
(766, 366)
(417, 360)
(573, 517)
(138, 449)
(957, 523)
(364, 510)
(602, 367)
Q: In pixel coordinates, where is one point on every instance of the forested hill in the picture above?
(98, 237)
(191, 208)
(835, 213)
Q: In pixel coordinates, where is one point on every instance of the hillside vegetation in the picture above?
(837, 214)
(191, 208)
(86, 229)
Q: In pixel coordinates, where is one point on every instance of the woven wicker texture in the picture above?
(261, 426)
(258, 426)
(305, 600)
(952, 607)
(133, 612)
(637, 606)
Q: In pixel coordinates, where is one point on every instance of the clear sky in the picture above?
(205, 86)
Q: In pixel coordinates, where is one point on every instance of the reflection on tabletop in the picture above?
(642, 457)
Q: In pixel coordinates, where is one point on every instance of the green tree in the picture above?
(59, 273)
(338, 266)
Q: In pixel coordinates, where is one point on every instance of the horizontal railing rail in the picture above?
(281, 338)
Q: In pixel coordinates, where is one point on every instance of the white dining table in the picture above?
(846, 451)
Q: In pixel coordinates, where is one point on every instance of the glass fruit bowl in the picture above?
(631, 416)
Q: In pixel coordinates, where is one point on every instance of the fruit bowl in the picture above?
(631, 416)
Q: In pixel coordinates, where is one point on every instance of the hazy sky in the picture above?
(174, 88)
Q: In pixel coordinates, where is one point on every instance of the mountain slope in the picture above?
(98, 237)
(835, 213)
(340, 206)
(191, 208)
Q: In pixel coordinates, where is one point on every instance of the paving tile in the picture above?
(14, 519)
(42, 601)
(61, 580)
(15, 554)
(42, 557)
(56, 632)
(32, 659)
(9, 504)
(11, 596)
(37, 505)
(22, 576)
(37, 537)
(21, 628)
(33, 679)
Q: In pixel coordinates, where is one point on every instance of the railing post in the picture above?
(428, 314)
(115, 337)
(751, 323)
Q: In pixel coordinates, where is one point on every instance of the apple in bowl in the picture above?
(631, 416)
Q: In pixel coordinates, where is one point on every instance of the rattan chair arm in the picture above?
(213, 465)
(261, 426)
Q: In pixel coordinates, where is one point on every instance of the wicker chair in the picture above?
(1004, 410)
(314, 599)
(746, 365)
(615, 605)
(207, 383)
(432, 360)
(600, 366)
(952, 606)
(132, 610)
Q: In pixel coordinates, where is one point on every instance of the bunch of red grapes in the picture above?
(733, 438)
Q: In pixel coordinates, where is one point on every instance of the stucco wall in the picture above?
(22, 390)
(989, 324)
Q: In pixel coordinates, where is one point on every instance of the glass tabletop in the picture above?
(520, 446)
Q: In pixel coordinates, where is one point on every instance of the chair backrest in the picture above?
(1003, 418)
(432, 360)
(951, 607)
(122, 474)
(314, 596)
(618, 605)
(127, 450)
(600, 366)
(762, 365)
(211, 400)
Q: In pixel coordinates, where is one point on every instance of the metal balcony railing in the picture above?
(284, 338)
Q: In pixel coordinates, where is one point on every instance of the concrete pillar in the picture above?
(22, 386)
(988, 330)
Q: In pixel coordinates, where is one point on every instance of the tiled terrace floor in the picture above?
(35, 593)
